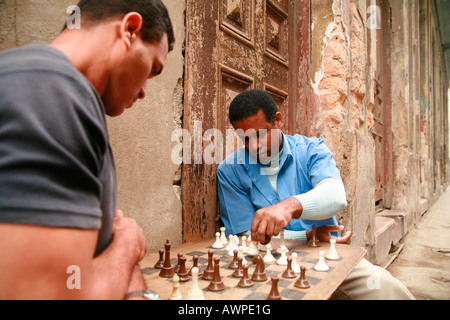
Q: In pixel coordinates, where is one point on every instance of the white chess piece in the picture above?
(234, 245)
(252, 249)
(282, 261)
(295, 265)
(217, 244)
(244, 244)
(282, 243)
(195, 293)
(223, 237)
(332, 254)
(269, 257)
(176, 295)
(321, 265)
(230, 242)
(241, 254)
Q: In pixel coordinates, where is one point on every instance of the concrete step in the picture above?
(390, 228)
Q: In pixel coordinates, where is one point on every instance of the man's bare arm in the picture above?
(35, 261)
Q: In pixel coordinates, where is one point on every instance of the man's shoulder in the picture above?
(39, 58)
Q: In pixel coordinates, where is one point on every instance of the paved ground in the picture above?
(424, 263)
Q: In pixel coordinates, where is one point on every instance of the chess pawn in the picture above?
(239, 272)
(195, 265)
(332, 254)
(223, 237)
(230, 243)
(160, 263)
(302, 283)
(182, 271)
(289, 273)
(246, 281)
(241, 254)
(217, 244)
(216, 283)
(314, 242)
(274, 293)
(282, 261)
(234, 264)
(321, 265)
(282, 244)
(208, 273)
(176, 295)
(195, 293)
(295, 265)
(268, 256)
(244, 244)
(177, 266)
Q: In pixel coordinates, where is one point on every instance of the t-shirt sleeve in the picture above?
(52, 142)
(321, 164)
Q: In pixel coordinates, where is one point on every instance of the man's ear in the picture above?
(279, 120)
(130, 27)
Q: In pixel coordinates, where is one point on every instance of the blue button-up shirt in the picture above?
(243, 187)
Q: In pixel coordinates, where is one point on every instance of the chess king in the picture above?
(281, 182)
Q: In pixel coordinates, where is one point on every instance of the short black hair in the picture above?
(248, 103)
(156, 20)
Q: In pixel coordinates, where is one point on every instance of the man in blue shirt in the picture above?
(276, 181)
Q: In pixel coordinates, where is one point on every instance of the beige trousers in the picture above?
(370, 282)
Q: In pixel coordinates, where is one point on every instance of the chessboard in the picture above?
(322, 283)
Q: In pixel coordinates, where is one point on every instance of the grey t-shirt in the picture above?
(56, 164)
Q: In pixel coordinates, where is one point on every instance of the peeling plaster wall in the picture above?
(341, 113)
(343, 66)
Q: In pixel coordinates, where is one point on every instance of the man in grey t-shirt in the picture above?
(57, 175)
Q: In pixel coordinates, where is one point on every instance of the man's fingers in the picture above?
(344, 239)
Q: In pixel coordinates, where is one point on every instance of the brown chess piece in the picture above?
(314, 242)
(177, 266)
(167, 269)
(259, 275)
(289, 273)
(216, 283)
(208, 273)
(246, 281)
(302, 283)
(182, 271)
(195, 265)
(274, 294)
(239, 272)
(160, 263)
(235, 263)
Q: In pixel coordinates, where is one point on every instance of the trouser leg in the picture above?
(370, 282)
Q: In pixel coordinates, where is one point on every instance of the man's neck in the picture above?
(88, 53)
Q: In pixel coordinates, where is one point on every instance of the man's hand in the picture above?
(271, 220)
(127, 231)
(323, 233)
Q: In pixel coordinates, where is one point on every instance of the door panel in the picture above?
(231, 46)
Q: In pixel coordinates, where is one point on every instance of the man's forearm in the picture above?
(324, 201)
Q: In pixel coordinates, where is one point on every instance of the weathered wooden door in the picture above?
(231, 46)
(381, 130)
